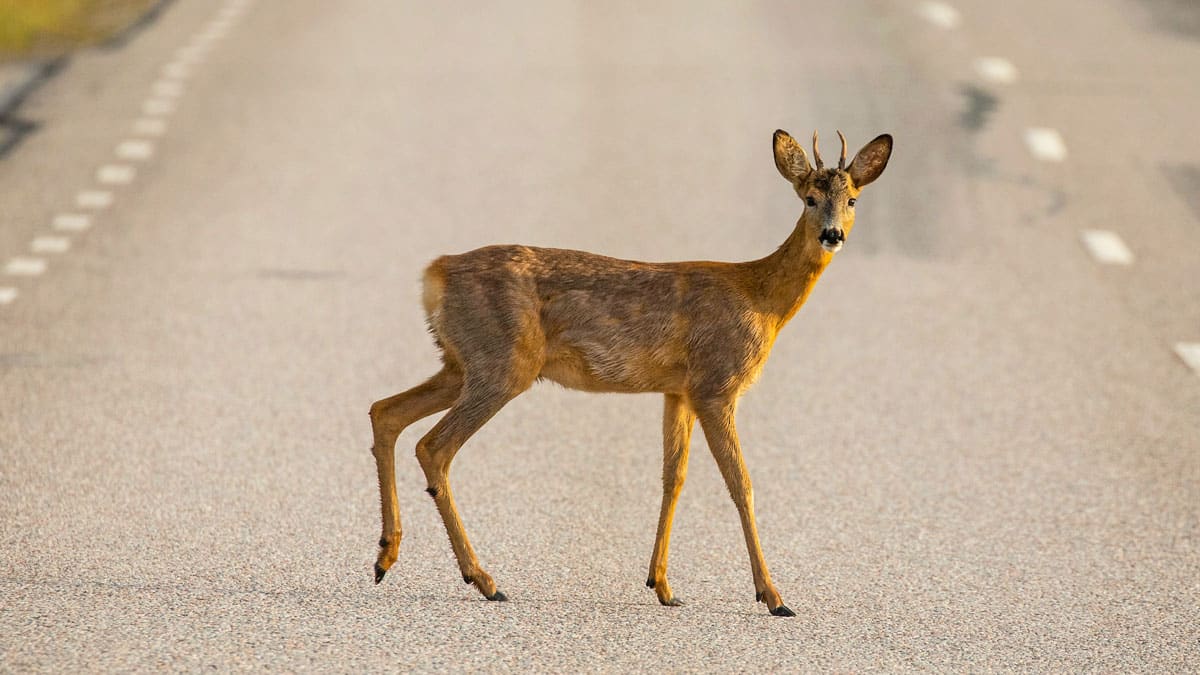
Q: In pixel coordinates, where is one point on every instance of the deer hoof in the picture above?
(782, 610)
(673, 602)
(379, 572)
(498, 597)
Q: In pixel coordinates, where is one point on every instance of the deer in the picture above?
(699, 333)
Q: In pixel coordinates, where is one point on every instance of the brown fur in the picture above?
(697, 332)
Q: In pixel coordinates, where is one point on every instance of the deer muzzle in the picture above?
(832, 238)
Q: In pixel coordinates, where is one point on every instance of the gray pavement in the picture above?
(997, 467)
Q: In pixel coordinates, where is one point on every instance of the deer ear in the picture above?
(790, 158)
(870, 162)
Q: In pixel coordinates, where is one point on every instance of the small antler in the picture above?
(842, 161)
(817, 152)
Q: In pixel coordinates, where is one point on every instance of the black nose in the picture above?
(834, 236)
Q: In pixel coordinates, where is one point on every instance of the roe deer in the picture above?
(698, 332)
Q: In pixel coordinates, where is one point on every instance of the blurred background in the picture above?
(976, 447)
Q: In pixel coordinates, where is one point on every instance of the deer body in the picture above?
(697, 332)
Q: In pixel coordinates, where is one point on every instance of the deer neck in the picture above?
(783, 280)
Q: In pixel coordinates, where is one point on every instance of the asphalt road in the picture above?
(974, 449)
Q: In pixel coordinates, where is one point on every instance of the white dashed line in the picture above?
(1190, 353)
(158, 106)
(996, 69)
(150, 126)
(939, 14)
(191, 54)
(135, 149)
(25, 267)
(50, 244)
(168, 88)
(1107, 247)
(176, 70)
(1046, 144)
(94, 199)
(7, 295)
(115, 174)
(72, 222)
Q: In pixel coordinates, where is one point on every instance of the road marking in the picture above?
(1107, 247)
(939, 14)
(25, 267)
(50, 244)
(115, 174)
(1190, 353)
(72, 222)
(168, 88)
(176, 70)
(150, 126)
(135, 149)
(1046, 144)
(7, 295)
(191, 54)
(94, 199)
(996, 69)
(158, 106)
(213, 32)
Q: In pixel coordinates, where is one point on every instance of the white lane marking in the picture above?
(996, 69)
(176, 70)
(191, 54)
(115, 174)
(158, 106)
(1190, 353)
(939, 14)
(150, 126)
(212, 33)
(25, 267)
(168, 88)
(1107, 247)
(135, 149)
(1046, 144)
(50, 244)
(72, 222)
(7, 295)
(94, 199)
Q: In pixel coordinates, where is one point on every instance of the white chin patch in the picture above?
(832, 248)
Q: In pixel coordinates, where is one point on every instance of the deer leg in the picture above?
(436, 450)
(389, 417)
(678, 420)
(721, 433)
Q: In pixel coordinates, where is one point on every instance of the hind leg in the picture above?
(478, 403)
(389, 417)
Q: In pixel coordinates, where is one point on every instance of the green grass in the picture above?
(42, 28)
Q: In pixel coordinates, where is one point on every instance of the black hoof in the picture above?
(650, 583)
(379, 572)
(782, 610)
(498, 597)
(673, 602)
(758, 596)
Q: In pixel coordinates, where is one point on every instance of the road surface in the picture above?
(976, 448)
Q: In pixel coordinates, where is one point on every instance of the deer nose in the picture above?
(833, 235)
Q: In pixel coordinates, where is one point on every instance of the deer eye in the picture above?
(851, 201)
(810, 201)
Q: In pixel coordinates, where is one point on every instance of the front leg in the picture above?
(717, 420)
(678, 420)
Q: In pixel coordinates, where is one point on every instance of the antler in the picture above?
(817, 152)
(842, 161)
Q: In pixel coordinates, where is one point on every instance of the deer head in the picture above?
(829, 194)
